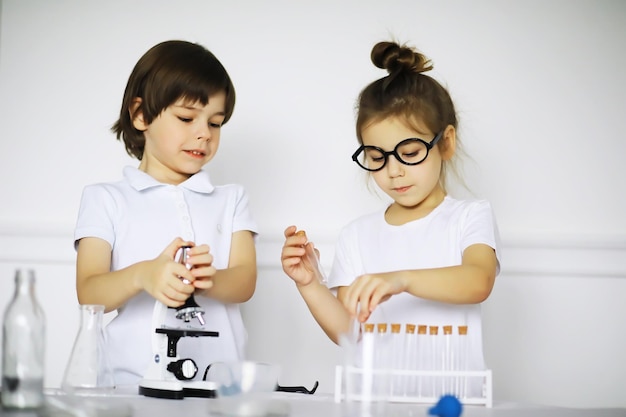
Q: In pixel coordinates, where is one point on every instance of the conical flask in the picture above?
(88, 371)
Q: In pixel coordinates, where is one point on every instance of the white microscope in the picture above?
(169, 376)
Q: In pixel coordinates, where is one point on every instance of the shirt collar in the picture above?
(139, 180)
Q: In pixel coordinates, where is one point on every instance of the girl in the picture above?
(426, 258)
(128, 232)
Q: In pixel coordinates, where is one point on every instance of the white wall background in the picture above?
(541, 92)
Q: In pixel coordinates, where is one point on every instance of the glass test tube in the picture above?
(447, 359)
(423, 348)
(382, 361)
(433, 332)
(368, 354)
(410, 359)
(462, 348)
(382, 356)
(396, 355)
(313, 260)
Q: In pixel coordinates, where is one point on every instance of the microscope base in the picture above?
(202, 389)
(172, 390)
(177, 390)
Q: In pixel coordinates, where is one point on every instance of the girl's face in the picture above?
(182, 139)
(415, 189)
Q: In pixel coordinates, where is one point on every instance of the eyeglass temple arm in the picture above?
(299, 389)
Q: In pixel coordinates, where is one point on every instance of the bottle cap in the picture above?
(382, 327)
(433, 330)
(410, 328)
(368, 327)
(447, 329)
(396, 327)
(463, 330)
(421, 329)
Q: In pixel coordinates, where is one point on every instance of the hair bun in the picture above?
(396, 58)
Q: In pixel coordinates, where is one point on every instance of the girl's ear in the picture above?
(448, 143)
(136, 115)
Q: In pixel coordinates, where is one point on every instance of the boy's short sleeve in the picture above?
(95, 215)
(243, 218)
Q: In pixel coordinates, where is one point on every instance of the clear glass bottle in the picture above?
(88, 371)
(23, 346)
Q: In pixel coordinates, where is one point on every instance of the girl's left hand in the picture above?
(368, 291)
(202, 269)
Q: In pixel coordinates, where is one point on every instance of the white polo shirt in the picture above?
(370, 245)
(139, 216)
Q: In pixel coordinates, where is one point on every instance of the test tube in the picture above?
(410, 359)
(433, 332)
(313, 260)
(423, 359)
(447, 359)
(462, 360)
(383, 382)
(382, 343)
(368, 355)
(396, 355)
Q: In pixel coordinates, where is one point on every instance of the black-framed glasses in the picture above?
(411, 151)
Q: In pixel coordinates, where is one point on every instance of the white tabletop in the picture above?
(286, 404)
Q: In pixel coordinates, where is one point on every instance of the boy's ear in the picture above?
(448, 143)
(136, 115)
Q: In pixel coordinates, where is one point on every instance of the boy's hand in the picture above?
(163, 276)
(293, 257)
(202, 268)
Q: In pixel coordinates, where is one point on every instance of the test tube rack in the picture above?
(454, 379)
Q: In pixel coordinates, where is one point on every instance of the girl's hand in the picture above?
(368, 291)
(293, 258)
(202, 268)
(163, 276)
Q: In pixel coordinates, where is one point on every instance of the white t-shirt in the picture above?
(370, 245)
(139, 216)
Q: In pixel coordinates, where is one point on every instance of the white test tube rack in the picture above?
(377, 371)
(486, 399)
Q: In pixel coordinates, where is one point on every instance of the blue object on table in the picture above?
(447, 406)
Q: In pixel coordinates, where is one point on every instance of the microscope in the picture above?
(168, 375)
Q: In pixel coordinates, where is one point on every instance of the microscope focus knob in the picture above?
(183, 369)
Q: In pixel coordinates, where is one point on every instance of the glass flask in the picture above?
(88, 371)
(23, 346)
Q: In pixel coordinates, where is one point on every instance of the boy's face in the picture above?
(182, 139)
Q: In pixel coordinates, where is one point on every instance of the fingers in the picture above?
(364, 295)
(294, 258)
(200, 256)
(289, 231)
(175, 294)
(293, 246)
(174, 246)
